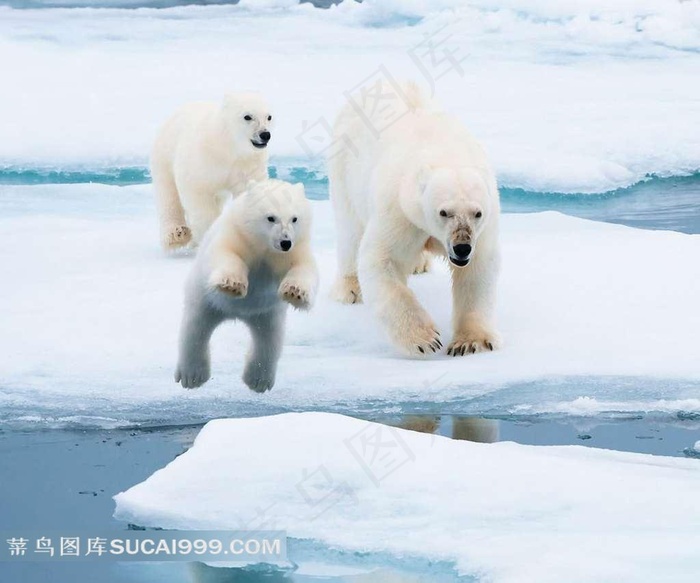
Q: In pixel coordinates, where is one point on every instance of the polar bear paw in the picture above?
(295, 294)
(232, 285)
(193, 372)
(258, 377)
(471, 342)
(176, 237)
(423, 264)
(421, 339)
(346, 290)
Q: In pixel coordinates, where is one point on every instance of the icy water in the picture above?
(80, 471)
(64, 471)
(671, 203)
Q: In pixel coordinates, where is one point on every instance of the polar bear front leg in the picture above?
(267, 331)
(193, 366)
(299, 285)
(473, 295)
(385, 260)
(229, 273)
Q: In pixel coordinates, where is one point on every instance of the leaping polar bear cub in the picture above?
(254, 261)
(423, 183)
(204, 153)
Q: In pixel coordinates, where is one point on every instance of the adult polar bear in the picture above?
(204, 153)
(422, 183)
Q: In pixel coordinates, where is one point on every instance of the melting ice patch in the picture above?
(514, 513)
(92, 311)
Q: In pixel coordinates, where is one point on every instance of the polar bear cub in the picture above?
(254, 261)
(422, 183)
(202, 154)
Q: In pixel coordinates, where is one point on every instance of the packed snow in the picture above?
(93, 308)
(566, 96)
(586, 515)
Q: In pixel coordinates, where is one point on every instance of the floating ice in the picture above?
(514, 513)
(567, 96)
(92, 310)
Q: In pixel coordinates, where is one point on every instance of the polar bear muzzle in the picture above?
(460, 254)
(262, 140)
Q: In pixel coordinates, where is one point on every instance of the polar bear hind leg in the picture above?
(267, 331)
(350, 230)
(193, 367)
(423, 264)
(174, 231)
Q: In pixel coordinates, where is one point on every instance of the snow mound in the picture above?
(93, 309)
(513, 513)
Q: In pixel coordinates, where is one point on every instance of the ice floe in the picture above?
(594, 316)
(503, 512)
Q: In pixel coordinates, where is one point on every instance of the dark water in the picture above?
(62, 479)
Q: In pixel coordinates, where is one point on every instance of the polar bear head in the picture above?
(248, 121)
(276, 214)
(456, 207)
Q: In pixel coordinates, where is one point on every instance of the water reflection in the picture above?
(476, 429)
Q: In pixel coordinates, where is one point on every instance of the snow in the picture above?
(514, 513)
(566, 96)
(593, 315)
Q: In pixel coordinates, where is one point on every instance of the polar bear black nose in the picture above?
(265, 136)
(286, 245)
(462, 250)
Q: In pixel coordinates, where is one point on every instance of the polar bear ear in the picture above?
(299, 188)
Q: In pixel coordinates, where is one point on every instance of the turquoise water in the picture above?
(671, 203)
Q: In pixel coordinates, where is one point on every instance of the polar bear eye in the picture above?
(478, 214)
(294, 219)
(247, 118)
(443, 213)
(269, 118)
(271, 219)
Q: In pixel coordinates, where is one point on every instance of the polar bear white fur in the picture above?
(255, 259)
(412, 180)
(204, 153)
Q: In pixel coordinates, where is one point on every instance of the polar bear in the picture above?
(418, 182)
(202, 154)
(255, 259)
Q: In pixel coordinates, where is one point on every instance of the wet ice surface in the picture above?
(94, 322)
